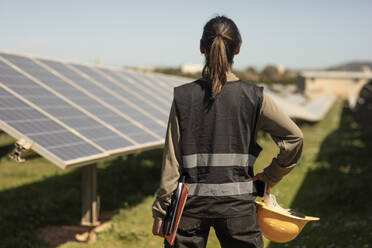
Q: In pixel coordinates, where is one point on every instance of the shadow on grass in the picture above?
(56, 200)
(338, 191)
(5, 150)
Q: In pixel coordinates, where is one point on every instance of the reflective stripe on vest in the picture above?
(225, 189)
(217, 159)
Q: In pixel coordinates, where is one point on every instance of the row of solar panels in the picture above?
(297, 106)
(75, 114)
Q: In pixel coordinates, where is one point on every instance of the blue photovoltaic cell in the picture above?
(168, 81)
(123, 92)
(154, 86)
(157, 83)
(172, 81)
(42, 130)
(55, 106)
(109, 98)
(164, 103)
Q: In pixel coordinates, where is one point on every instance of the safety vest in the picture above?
(218, 146)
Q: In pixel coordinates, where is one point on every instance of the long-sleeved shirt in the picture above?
(272, 119)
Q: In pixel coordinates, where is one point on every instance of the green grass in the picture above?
(336, 184)
(332, 181)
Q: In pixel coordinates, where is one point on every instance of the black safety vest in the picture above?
(218, 146)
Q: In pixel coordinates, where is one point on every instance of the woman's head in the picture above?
(221, 40)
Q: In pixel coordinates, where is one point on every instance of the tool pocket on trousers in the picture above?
(245, 229)
(248, 223)
(239, 224)
(189, 223)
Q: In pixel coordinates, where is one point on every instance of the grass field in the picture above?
(333, 182)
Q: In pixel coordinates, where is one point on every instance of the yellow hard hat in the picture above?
(280, 226)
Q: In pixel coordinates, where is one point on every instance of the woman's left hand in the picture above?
(260, 177)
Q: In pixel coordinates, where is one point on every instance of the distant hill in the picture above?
(352, 66)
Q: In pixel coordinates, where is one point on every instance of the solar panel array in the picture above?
(76, 114)
(297, 106)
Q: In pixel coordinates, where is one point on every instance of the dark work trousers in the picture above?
(236, 232)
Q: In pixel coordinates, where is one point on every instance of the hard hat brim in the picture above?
(286, 213)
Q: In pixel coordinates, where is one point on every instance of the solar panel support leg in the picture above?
(90, 201)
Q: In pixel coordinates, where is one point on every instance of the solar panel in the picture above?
(297, 107)
(75, 114)
(55, 142)
(56, 106)
(146, 104)
(157, 83)
(125, 133)
(122, 106)
(153, 86)
(134, 85)
(171, 80)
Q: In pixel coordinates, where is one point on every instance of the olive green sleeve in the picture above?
(286, 134)
(172, 159)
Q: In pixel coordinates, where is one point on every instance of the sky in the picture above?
(296, 34)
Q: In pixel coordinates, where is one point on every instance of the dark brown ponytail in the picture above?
(220, 40)
(218, 65)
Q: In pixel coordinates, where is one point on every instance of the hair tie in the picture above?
(223, 36)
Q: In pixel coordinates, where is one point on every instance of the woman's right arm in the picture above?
(286, 134)
(172, 159)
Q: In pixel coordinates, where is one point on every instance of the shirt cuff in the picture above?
(274, 173)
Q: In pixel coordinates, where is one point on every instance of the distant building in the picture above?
(345, 84)
(191, 68)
